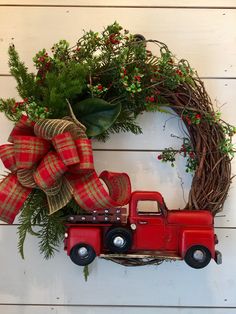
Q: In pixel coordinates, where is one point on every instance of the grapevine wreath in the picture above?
(91, 90)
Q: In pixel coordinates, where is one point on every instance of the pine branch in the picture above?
(7, 106)
(51, 234)
(126, 127)
(26, 83)
(28, 213)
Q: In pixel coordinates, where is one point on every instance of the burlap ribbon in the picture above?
(54, 155)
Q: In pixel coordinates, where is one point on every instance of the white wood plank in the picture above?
(155, 136)
(59, 281)
(145, 170)
(204, 37)
(29, 309)
(137, 3)
(147, 173)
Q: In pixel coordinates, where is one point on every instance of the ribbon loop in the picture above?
(12, 197)
(8, 157)
(66, 148)
(56, 157)
(49, 171)
(49, 128)
(29, 150)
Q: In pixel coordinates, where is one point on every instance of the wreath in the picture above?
(91, 90)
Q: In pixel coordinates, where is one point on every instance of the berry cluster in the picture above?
(186, 150)
(31, 109)
(43, 63)
(98, 89)
(131, 80)
(168, 155)
(191, 117)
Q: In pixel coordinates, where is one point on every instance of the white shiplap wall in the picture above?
(204, 32)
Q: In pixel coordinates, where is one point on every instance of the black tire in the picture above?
(197, 256)
(118, 240)
(82, 254)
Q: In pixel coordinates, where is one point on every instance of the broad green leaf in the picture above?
(96, 114)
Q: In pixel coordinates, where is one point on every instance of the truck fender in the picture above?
(91, 236)
(190, 238)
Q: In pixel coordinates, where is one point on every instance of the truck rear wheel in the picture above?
(82, 254)
(197, 256)
(118, 240)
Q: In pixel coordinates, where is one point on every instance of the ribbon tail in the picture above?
(90, 193)
(119, 186)
(61, 199)
(12, 198)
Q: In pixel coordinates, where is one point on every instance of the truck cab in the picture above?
(149, 230)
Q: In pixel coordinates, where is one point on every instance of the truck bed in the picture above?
(110, 215)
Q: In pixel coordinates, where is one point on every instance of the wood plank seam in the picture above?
(120, 6)
(17, 224)
(201, 77)
(117, 306)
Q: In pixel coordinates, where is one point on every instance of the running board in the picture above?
(145, 254)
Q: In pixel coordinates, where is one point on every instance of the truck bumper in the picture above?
(218, 257)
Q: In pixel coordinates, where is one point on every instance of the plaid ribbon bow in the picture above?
(55, 155)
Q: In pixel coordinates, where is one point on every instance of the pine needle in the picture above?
(86, 272)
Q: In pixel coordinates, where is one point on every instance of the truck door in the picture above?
(150, 226)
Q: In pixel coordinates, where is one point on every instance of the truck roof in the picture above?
(147, 195)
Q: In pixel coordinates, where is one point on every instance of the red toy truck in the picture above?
(155, 233)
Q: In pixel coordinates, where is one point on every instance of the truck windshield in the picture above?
(147, 207)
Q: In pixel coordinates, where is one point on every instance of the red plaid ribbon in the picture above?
(12, 197)
(55, 156)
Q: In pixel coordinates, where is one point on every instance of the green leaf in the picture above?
(160, 109)
(96, 114)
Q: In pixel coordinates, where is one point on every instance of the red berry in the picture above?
(100, 87)
(179, 72)
(159, 157)
(191, 155)
(137, 78)
(188, 120)
(113, 40)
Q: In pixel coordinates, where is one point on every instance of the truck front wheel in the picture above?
(118, 240)
(197, 256)
(82, 254)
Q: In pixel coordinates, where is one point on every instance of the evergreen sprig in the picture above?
(51, 234)
(112, 65)
(26, 83)
(49, 229)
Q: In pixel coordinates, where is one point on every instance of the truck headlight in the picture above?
(133, 226)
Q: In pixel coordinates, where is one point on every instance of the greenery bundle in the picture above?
(109, 79)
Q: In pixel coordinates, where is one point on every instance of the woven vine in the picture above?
(212, 178)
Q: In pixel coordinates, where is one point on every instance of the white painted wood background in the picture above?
(204, 32)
